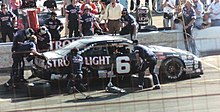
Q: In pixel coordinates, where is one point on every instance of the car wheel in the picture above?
(171, 70)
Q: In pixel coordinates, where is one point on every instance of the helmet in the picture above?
(29, 32)
(75, 50)
(43, 29)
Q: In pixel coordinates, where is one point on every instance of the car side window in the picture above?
(98, 50)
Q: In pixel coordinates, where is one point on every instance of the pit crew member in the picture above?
(54, 26)
(7, 20)
(43, 39)
(130, 26)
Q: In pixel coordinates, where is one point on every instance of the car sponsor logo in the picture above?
(97, 60)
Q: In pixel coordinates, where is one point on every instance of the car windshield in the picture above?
(65, 50)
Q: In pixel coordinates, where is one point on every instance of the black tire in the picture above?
(171, 70)
(38, 89)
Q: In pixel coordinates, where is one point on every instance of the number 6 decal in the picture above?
(123, 64)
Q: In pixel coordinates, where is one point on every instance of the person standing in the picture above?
(7, 20)
(54, 26)
(87, 21)
(112, 17)
(145, 58)
(199, 8)
(72, 17)
(43, 39)
(19, 50)
(189, 17)
(214, 10)
(15, 5)
(169, 7)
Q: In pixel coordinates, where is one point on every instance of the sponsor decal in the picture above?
(97, 60)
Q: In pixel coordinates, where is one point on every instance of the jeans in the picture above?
(215, 22)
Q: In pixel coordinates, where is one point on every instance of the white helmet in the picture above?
(43, 29)
(29, 32)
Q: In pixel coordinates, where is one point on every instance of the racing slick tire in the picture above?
(171, 70)
(39, 89)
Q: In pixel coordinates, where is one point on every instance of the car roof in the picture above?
(103, 38)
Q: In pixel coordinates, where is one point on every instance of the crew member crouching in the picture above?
(129, 25)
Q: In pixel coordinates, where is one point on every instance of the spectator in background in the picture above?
(214, 10)
(87, 21)
(65, 4)
(94, 9)
(112, 17)
(199, 8)
(72, 17)
(206, 21)
(43, 39)
(189, 16)
(7, 21)
(15, 5)
(51, 5)
(169, 7)
(55, 26)
(177, 24)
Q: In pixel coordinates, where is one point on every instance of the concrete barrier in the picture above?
(206, 41)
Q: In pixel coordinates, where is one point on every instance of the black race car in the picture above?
(101, 61)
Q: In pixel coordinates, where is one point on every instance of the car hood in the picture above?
(155, 48)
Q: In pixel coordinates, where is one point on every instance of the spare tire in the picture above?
(40, 89)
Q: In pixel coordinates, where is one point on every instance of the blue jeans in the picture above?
(215, 22)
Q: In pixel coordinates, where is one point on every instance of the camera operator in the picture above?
(130, 25)
(43, 39)
(76, 62)
(145, 58)
(7, 20)
(54, 26)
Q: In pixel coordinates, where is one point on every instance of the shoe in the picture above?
(141, 87)
(156, 87)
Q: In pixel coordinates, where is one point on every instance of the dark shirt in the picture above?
(50, 4)
(73, 12)
(19, 37)
(87, 21)
(144, 51)
(188, 15)
(128, 18)
(6, 19)
(54, 24)
(43, 40)
(76, 64)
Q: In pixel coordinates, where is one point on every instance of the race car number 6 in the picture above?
(122, 64)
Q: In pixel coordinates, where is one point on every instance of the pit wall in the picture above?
(206, 41)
